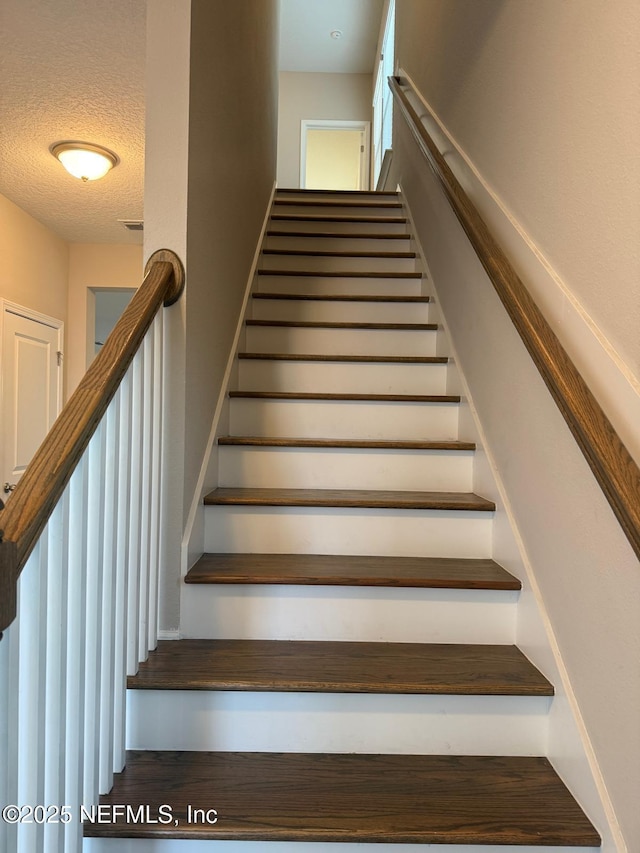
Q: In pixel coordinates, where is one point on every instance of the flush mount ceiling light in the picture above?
(336, 34)
(84, 160)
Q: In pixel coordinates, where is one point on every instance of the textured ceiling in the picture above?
(305, 35)
(73, 69)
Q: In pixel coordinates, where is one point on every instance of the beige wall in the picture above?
(345, 97)
(94, 266)
(43, 272)
(333, 159)
(232, 159)
(165, 226)
(35, 263)
(211, 113)
(541, 97)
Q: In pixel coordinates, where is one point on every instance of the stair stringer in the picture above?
(569, 747)
(193, 537)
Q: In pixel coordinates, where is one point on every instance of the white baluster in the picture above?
(135, 491)
(56, 675)
(122, 540)
(145, 486)
(75, 649)
(94, 511)
(9, 716)
(31, 638)
(108, 597)
(156, 481)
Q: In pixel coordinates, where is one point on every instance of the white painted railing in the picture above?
(86, 617)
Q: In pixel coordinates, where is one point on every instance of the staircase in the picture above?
(348, 672)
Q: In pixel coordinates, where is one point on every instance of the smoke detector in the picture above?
(336, 34)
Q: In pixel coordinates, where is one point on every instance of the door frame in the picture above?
(335, 124)
(6, 306)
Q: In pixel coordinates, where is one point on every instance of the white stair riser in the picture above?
(339, 209)
(337, 244)
(336, 723)
(360, 614)
(286, 339)
(344, 419)
(318, 530)
(147, 845)
(342, 377)
(354, 227)
(338, 264)
(340, 311)
(346, 286)
(323, 468)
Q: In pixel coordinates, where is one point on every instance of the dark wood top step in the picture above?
(322, 324)
(339, 570)
(351, 398)
(337, 254)
(338, 202)
(364, 193)
(355, 498)
(341, 274)
(328, 217)
(351, 443)
(411, 799)
(341, 297)
(339, 235)
(355, 359)
(340, 667)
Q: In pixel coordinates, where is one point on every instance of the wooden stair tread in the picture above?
(341, 297)
(352, 443)
(353, 398)
(328, 324)
(340, 274)
(335, 797)
(353, 359)
(348, 204)
(338, 234)
(339, 570)
(328, 217)
(319, 253)
(340, 667)
(373, 499)
(365, 193)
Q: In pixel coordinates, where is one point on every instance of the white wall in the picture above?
(538, 103)
(94, 265)
(345, 97)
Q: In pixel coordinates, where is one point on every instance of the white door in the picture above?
(31, 375)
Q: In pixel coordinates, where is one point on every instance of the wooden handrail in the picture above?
(610, 461)
(42, 484)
